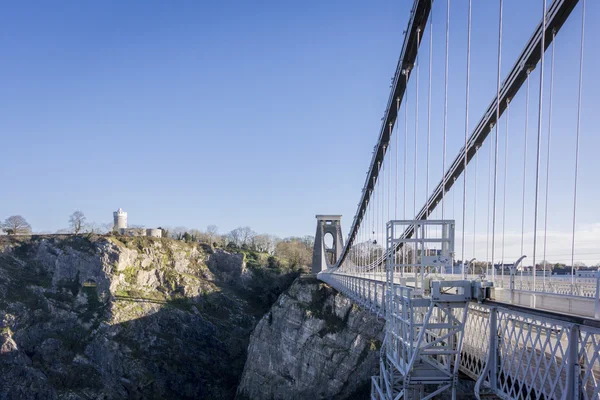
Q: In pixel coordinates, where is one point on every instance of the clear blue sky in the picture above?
(192, 113)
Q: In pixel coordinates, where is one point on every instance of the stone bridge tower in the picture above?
(323, 255)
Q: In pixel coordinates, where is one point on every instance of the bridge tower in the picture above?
(322, 254)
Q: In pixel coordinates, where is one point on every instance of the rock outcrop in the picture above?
(312, 344)
(228, 266)
(125, 318)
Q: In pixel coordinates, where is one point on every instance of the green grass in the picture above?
(130, 274)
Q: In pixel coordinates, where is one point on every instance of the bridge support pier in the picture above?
(323, 256)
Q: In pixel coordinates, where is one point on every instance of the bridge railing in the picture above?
(515, 353)
(557, 294)
(584, 287)
(366, 292)
(512, 351)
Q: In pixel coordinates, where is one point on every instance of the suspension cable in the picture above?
(366, 238)
(548, 157)
(577, 143)
(524, 169)
(445, 105)
(504, 184)
(429, 104)
(453, 190)
(496, 137)
(371, 226)
(365, 235)
(364, 222)
(489, 202)
(539, 141)
(380, 216)
(475, 199)
(429, 115)
(464, 208)
(383, 193)
(406, 72)
(381, 240)
(416, 124)
(389, 176)
(396, 158)
(376, 211)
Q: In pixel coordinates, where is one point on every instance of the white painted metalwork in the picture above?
(511, 351)
(425, 317)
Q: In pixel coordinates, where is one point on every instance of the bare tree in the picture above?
(246, 235)
(177, 232)
(16, 225)
(242, 236)
(107, 227)
(93, 227)
(211, 233)
(195, 235)
(264, 243)
(222, 240)
(76, 221)
(235, 236)
(260, 243)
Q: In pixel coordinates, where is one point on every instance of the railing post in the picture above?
(597, 298)
(493, 348)
(512, 285)
(573, 378)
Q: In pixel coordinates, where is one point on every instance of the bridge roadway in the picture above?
(538, 353)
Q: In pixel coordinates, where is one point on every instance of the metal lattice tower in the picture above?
(425, 316)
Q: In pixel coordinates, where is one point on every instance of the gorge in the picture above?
(112, 317)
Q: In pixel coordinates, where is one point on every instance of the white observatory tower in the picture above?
(120, 220)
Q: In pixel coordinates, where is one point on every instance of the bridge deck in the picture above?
(538, 353)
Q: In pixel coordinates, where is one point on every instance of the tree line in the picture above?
(18, 225)
(297, 251)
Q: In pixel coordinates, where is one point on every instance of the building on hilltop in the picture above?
(120, 225)
(120, 220)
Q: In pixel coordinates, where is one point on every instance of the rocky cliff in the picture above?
(91, 317)
(112, 318)
(312, 344)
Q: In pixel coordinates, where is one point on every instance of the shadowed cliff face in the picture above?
(97, 318)
(312, 344)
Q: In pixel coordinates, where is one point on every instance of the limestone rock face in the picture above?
(140, 317)
(228, 266)
(312, 344)
(125, 318)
